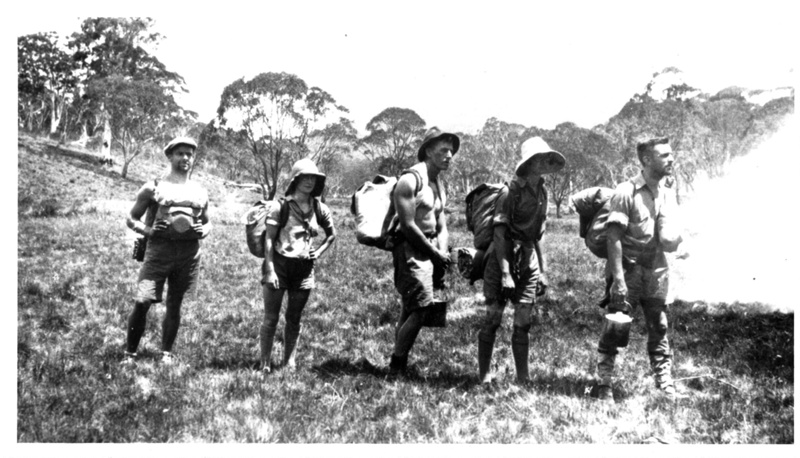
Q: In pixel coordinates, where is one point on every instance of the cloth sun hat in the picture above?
(431, 136)
(535, 147)
(306, 167)
(179, 141)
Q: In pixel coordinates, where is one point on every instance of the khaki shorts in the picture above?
(292, 273)
(524, 271)
(414, 275)
(174, 261)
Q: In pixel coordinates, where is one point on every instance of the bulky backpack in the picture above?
(373, 206)
(593, 206)
(481, 203)
(255, 221)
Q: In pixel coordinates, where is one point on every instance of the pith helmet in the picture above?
(535, 147)
(431, 136)
(179, 141)
(306, 167)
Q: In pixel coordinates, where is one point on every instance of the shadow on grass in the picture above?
(234, 362)
(339, 367)
(753, 342)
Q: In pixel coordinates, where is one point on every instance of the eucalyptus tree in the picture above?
(47, 79)
(110, 51)
(276, 112)
(394, 135)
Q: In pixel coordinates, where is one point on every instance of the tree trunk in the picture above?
(55, 117)
(107, 140)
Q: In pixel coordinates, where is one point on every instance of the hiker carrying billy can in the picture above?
(290, 256)
(515, 261)
(420, 255)
(638, 234)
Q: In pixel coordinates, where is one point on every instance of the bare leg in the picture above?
(172, 320)
(272, 309)
(291, 332)
(136, 324)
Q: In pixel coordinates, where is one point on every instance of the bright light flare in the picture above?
(743, 230)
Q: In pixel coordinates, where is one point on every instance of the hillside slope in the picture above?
(60, 180)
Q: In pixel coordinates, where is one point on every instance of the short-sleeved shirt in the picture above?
(523, 209)
(636, 208)
(296, 237)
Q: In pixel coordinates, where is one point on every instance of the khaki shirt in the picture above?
(523, 209)
(635, 207)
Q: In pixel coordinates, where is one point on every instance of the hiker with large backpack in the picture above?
(638, 233)
(420, 247)
(176, 218)
(515, 262)
(290, 226)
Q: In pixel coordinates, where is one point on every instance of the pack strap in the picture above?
(417, 176)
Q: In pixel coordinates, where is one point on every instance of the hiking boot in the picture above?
(605, 394)
(398, 364)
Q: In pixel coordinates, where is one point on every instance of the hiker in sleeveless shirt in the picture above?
(638, 235)
(420, 255)
(515, 262)
(176, 210)
(289, 257)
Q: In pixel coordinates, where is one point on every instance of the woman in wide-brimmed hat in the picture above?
(289, 256)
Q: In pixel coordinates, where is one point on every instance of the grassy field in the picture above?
(734, 362)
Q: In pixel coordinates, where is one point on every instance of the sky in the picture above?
(459, 63)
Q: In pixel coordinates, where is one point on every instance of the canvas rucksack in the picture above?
(481, 203)
(255, 221)
(373, 206)
(480, 209)
(593, 206)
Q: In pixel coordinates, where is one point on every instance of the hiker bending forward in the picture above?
(176, 210)
(515, 263)
(421, 254)
(289, 257)
(637, 270)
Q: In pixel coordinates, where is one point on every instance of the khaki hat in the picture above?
(306, 167)
(433, 134)
(551, 160)
(179, 141)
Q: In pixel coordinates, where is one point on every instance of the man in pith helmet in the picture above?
(515, 262)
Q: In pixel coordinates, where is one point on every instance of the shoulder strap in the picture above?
(417, 176)
(317, 206)
(152, 207)
(284, 215)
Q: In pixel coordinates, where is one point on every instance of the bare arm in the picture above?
(330, 237)
(614, 246)
(543, 283)
(269, 250)
(502, 250)
(406, 212)
(203, 225)
(134, 218)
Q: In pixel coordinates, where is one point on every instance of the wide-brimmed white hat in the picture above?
(306, 167)
(548, 160)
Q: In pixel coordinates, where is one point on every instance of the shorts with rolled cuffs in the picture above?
(524, 271)
(414, 275)
(176, 262)
(293, 273)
